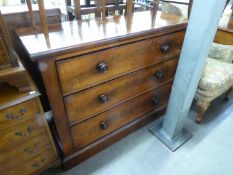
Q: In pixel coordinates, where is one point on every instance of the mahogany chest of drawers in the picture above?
(26, 142)
(105, 78)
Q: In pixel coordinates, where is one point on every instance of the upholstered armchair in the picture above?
(216, 79)
(171, 9)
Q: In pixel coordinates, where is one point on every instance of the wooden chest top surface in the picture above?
(80, 35)
(226, 22)
(11, 96)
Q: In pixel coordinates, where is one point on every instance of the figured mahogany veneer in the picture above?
(25, 135)
(16, 114)
(105, 77)
(83, 72)
(117, 91)
(29, 149)
(35, 164)
(106, 122)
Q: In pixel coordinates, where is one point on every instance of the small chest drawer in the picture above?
(35, 165)
(104, 96)
(106, 122)
(18, 113)
(88, 70)
(17, 134)
(29, 149)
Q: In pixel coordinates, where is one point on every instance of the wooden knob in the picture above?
(103, 98)
(165, 48)
(102, 67)
(159, 74)
(155, 101)
(103, 125)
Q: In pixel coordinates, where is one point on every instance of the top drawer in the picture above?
(18, 113)
(88, 70)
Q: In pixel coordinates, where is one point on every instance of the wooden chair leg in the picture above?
(203, 106)
(228, 94)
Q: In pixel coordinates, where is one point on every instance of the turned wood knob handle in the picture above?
(165, 48)
(155, 101)
(159, 74)
(102, 67)
(103, 125)
(103, 98)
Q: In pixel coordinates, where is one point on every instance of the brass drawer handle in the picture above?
(103, 125)
(32, 150)
(30, 129)
(159, 74)
(155, 101)
(103, 98)
(38, 164)
(23, 111)
(102, 67)
(10, 116)
(165, 48)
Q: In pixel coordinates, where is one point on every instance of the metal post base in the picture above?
(172, 144)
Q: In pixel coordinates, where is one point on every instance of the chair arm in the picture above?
(221, 52)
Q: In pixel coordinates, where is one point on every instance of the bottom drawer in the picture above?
(106, 122)
(35, 165)
(25, 151)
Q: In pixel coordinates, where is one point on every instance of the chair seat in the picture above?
(217, 76)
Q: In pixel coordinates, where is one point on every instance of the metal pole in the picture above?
(200, 33)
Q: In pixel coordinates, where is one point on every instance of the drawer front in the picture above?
(106, 122)
(29, 149)
(18, 113)
(17, 134)
(35, 165)
(85, 71)
(4, 59)
(104, 96)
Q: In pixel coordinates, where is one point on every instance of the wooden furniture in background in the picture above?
(76, 10)
(224, 34)
(11, 70)
(27, 146)
(104, 77)
(18, 18)
(189, 4)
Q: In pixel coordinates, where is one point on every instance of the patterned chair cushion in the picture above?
(171, 9)
(216, 79)
(217, 75)
(208, 96)
(221, 52)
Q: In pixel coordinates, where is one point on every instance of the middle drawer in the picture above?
(90, 102)
(20, 133)
(108, 121)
